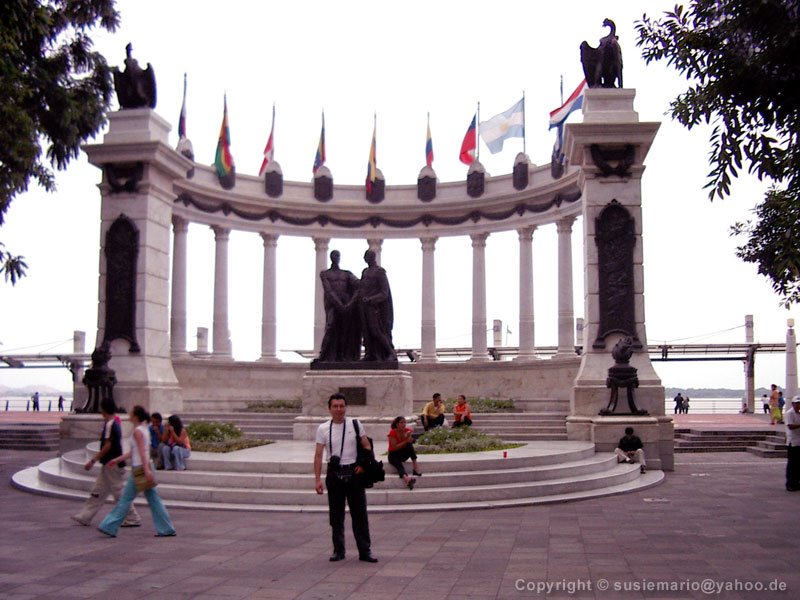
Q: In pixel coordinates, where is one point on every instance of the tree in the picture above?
(55, 94)
(740, 58)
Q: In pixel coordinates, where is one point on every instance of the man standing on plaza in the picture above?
(792, 419)
(338, 439)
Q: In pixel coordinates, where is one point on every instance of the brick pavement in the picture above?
(718, 516)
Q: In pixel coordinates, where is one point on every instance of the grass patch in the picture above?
(271, 406)
(217, 436)
(443, 440)
(483, 405)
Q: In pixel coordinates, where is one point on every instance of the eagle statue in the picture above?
(135, 87)
(602, 66)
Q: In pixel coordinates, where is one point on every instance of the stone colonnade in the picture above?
(221, 337)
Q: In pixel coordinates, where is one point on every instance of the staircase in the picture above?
(278, 477)
(765, 443)
(264, 426)
(29, 436)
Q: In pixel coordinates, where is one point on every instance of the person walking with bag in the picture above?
(109, 481)
(338, 439)
(141, 479)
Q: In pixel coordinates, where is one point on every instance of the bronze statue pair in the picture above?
(357, 310)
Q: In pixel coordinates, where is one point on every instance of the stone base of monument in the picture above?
(374, 397)
(656, 432)
(77, 430)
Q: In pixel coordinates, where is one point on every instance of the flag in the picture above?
(499, 128)
(319, 159)
(557, 119)
(182, 118)
(223, 161)
(429, 145)
(467, 155)
(573, 103)
(269, 151)
(372, 169)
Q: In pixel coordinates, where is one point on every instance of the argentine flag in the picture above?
(499, 128)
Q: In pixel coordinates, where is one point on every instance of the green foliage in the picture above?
(216, 436)
(213, 431)
(740, 58)
(483, 405)
(55, 92)
(269, 406)
(444, 440)
(12, 267)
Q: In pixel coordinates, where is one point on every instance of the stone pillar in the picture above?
(566, 310)
(221, 333)
(79, 392)
(321, 249)
(610, 147)
(376, 245)
(428, 349)
(479, 348)
(269, 319)
(526, 322)
(791, 362)
(749, 365)
(140, 169)
(180, 229)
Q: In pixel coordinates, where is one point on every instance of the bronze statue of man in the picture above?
(342, 339)
(377, 312)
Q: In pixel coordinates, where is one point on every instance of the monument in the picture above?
(357, 311)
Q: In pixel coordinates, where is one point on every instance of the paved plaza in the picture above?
(718, 520)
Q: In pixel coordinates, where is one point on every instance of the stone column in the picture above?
(376, 245)
(749, 365)
(526, 323)
(609, 147)
(144, 196)
(791, 362)
(428, 350)
(269, 320)
(180, 229)
(479, 348)
(321, 249)
(221, 333)
(566, 310)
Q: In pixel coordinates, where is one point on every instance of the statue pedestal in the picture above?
(374, 397)
(656, 433)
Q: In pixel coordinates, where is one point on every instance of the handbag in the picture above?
(140, 481)
(373, 469)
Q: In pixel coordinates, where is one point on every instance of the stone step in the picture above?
(679, 449)
(767, 452)
(29, 436)
(714, 443)
(279, 477)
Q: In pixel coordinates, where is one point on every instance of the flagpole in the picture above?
(524, 146)
(477, 133)
(562, 89)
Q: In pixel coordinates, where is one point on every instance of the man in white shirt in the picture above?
(792, 420)
(337, 439)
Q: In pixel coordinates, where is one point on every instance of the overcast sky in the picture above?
(401, 61)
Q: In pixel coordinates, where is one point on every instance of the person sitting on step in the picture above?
(630, 449)
(433, 413)
(461, 412)
(401, 448)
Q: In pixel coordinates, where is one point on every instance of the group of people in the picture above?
(774, 405)
(153, 445)
(681, 404)
(433, 414)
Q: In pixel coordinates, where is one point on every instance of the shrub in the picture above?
(213, 431)
(268, 406)
(443, 440)
(483, 405)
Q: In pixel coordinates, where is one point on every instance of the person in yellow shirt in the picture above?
(433, 413)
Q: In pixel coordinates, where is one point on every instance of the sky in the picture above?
(400, 62)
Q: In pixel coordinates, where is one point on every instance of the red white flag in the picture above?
(470, 143)
(269, 151)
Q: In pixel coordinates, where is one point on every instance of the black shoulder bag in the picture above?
(373, 469)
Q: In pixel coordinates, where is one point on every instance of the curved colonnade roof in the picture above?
(348, 214)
